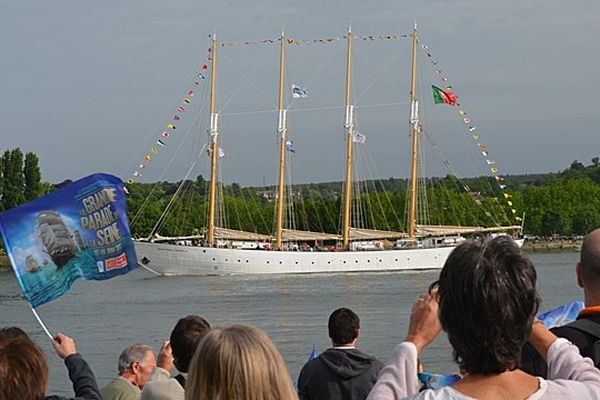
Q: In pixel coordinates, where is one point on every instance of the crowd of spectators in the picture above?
(485, 301)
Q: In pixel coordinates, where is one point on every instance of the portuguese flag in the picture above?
(443, 96)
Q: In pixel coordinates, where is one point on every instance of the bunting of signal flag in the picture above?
(441, 96)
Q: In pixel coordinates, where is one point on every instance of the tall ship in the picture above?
(56, 238)
(219, 250)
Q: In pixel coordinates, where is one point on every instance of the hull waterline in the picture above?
(170, 259)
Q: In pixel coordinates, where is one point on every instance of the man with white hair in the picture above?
(135, 366)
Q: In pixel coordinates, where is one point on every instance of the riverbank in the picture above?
(4, 263)
(539, 245)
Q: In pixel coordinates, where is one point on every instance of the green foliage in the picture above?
(13, 184)
(33, 177)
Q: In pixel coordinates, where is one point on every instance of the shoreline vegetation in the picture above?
(564, 204)
(4, 263)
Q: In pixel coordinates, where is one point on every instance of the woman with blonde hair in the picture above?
(239, 362)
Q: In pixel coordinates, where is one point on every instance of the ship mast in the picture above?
(414, 123)
(349, 125)
(282, 130)
(214, 145)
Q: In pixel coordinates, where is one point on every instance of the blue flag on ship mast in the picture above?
(298, 92)
(78, 231)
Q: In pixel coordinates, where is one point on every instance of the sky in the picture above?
(88, 86)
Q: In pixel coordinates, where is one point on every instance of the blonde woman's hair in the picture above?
(239, 362)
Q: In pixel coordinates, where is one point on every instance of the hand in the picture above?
(424, 322)
(64, 346)
(165, 357)
(541, 338)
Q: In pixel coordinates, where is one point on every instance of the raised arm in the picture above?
(398, 378)
(80, 372)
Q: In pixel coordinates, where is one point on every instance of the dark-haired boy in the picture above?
(341, 372)
(177, 352)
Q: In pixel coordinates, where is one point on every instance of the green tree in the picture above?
(586, 219)
(33, 177)
(13, 182)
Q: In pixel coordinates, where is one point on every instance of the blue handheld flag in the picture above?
(561, 315)
(78, 231)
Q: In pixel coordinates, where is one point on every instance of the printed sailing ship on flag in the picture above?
(298, 92)
(78, 231)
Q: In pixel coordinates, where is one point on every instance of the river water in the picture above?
(105, 317)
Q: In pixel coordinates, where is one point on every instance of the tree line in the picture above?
(20, 178)
(563, 203)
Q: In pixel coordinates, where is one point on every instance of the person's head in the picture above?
(239, 362)
(588, 268)
(10, 333)
(487, 302)
(185, 339)
(23, 370)
(344, 326)
(136, 364)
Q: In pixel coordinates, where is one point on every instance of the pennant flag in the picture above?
(462, 112)
(142, 166)
(160, 143)
(502, 186)
(485, 153)
(493, 170)
(165, 134)
(78, 231)
(175, 117)
(472, 128)
(130, 181)
(358, 137)
(298, 92)
(148, 158)
(171, 126)
(513, 211)
(289, 146)
(204, 66)
(125, 190)
(491, 162)
(187, 101)
(135, 173)
(221, 152)
(181, 109)
(510, 203)
(475, 137)
(154, 149)
(507, 195)
(519, 218)
(443, 96)
(191, 93)
(466, 120)
(481, 145)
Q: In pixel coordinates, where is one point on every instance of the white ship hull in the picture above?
(170, 259)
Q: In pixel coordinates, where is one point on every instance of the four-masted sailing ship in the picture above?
(223, 251)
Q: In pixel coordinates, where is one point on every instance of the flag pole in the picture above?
(41, 323)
